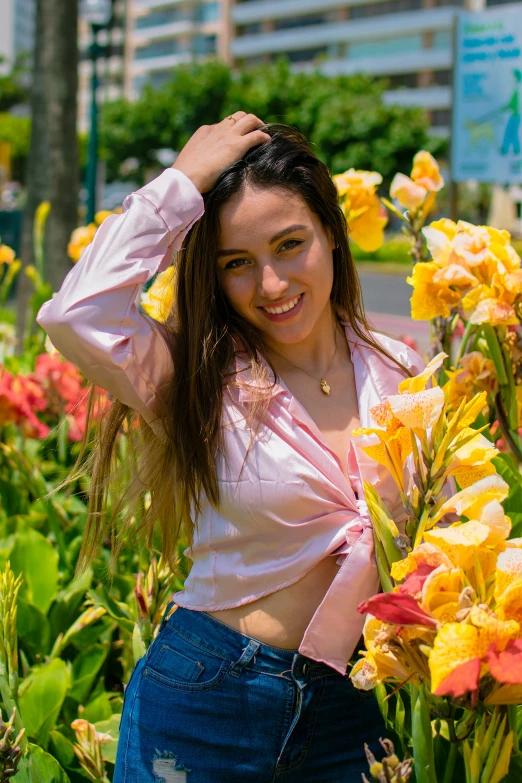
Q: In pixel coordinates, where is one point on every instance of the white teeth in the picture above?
(284, 308)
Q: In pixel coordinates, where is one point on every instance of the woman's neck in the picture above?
(315, 353)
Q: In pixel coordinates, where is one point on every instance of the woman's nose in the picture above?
(271, 285)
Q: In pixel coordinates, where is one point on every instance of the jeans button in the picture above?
(306, 668)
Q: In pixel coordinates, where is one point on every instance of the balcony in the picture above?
(145, 5)
(384, 65)
(425, 97)
(245, 13)
(159, 63)
(387, 26)
(145, 35)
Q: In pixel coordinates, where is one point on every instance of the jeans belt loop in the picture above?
(247, 655)
(169, 610)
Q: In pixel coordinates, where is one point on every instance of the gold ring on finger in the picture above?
(231, 118)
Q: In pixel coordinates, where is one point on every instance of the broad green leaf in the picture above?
(112, 727)
(510, 473)
(61, 748)
(98, 709)
(41, 767)
(85, 669)
(515, 770)
(65, 609)
(41, 696)
(115, 609)
(36, 558)
(33, 629)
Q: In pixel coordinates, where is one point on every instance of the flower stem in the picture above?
(468, 331)
(450, 762)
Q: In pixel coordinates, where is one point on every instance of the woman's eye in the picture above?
(236, 263)
(293, 242)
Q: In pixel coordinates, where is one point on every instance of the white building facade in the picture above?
(408, 41)
(17, 30)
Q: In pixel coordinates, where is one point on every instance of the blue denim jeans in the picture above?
(208, 704)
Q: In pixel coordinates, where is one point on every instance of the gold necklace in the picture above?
(325, 387)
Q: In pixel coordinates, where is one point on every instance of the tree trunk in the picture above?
(52, 170)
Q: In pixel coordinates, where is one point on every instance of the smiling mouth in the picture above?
(285, 308)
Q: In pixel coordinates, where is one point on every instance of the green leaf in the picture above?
(515, 770)
(61, 748)
(85, 669)
(112, 727)
(33, 629)
(41, 767)
(41, 697)
(98, 709)
(37, 560)
(115, 609)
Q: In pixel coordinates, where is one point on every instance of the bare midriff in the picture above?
(280, 619)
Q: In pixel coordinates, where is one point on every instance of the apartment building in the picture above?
(407, 41)
(166, 33)
(17, 29)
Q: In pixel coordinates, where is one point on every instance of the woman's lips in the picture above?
(278, 317)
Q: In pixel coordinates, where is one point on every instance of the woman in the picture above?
(248, 397)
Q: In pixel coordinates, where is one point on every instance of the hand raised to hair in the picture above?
(213, 148)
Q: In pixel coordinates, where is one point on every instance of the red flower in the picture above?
(463, 678)
(506, 665)
(397, 608)
(414, 581)
(20, 397)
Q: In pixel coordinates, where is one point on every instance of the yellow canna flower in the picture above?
(475, 373)
(493, 312)
(159, 299)
(80, 238)
(7, 254)
(418, 382)
(460, 542)
(440, 592)
(472, 461)
(392, 450)
(377, 664)
(460, 643)
(430, 299)
(447, 226)
(509, 605)
(361, 206)
(508, 570)
(423, 555)
(102, 215)
(407, 192)
(471, 500)
(418, 411)
(426, 171)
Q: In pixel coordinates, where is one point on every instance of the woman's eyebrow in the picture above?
(279, 235)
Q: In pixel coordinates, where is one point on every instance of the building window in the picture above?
(306, 55)
(442, 78)
(205, 44)
(158, 18)
(207, 12)
(249, 29)
(387, 7)
(157, 49)
(442, 39)
(440, 118)
(398, 80)
(385, 46)
(300, 21)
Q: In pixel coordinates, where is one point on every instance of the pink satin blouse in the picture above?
(285, 504)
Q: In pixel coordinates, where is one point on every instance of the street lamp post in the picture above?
(98, 14)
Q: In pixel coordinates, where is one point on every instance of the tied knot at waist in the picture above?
(364, 514)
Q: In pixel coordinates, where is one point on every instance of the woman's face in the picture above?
(275, 263)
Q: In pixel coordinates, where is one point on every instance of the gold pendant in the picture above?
(324, 386)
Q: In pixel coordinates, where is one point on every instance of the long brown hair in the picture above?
(202, 332)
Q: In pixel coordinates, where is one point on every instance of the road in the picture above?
(387, 304)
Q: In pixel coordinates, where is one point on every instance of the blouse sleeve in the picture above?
(94, 320)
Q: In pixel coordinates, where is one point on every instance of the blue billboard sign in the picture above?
(487, 96)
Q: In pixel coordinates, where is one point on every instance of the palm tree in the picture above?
(52, 171)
